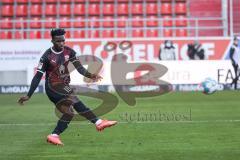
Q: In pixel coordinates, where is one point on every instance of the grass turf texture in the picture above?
(210, 132)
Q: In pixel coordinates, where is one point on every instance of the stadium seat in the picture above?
(79, 1)
(35, 22)
(64, 22)
(108, 21)
(167, 33)
(94, 9)
(65, 10)
(121, 33)
(152, 8)
(108, 9)
(152, 33)
(36, 10)
(180, 8)
(79, 9)
(167, 21)
(137, 8)
(137, 33)
(110, 1)
(5, 34)
(21, 10)
(7, 10)
(20, 22)
(65, 1)
(125, 1)
(166, 8)
(78, 34)
(47, 34)
(7, 1)
(6, 23)
(93, 1)
(137, 21)
(22, 1)
(93, 22)
(34, 35)
(20, 35)
(122, 21)
(152, 21)
(36, 1)
(50, 10)
(107, 33)
(181, 33)
(50, 22)
(79, 22)
(50, 1)
(68, 34)
(181, 21)
(122, 9)
(93, 34)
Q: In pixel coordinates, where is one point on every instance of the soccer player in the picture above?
(54, 62)
(235, 59)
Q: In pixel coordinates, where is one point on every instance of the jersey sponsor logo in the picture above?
(61, 69)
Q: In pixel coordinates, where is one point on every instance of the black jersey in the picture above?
(55, 64)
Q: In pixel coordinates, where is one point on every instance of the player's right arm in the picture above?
(36, 80)
(232, 50)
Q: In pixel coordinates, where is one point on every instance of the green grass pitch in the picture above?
(192, 126)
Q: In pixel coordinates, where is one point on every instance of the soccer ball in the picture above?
(209, 86)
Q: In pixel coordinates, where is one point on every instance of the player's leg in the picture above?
(89, 115)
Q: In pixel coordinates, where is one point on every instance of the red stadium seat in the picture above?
(137, 8)
(121, 33)
(50, 22)
(93, 34)
(79, 22)
(93, 22)
(68, 34)
(107, 33)
(79, 9)
(181, 33)
(7, 1)
(79, 1)
(78, 34)
(50, 10)
(152, 33)
(152, 21)
(122, 21)
(123, 1)
(167, 21)
(181, 21)
(137, 21)
(166, 8)
(122, 9)
(180, 8)
(94, 9)
(108, 21)
(65, 22)
(65, 10)
(34, 35)
(20, 22)
(152, 8)
(36, 10)
(6, 23)
(111, 1)
(108, 9)
(22, 1)
(50, 1)
(7, 10)
(21, 10)
(35, 22)
(5, 34)
(137, 33)
(66, 1)
(47, 35)
(36, 1)
(20, 35)
(93, 1)
(167, 33)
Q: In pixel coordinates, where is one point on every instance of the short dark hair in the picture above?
(57, 32)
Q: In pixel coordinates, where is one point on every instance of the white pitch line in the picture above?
(123, 122)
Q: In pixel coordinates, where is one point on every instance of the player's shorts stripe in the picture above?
(40, 71)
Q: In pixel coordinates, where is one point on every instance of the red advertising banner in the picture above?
(148, 49)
